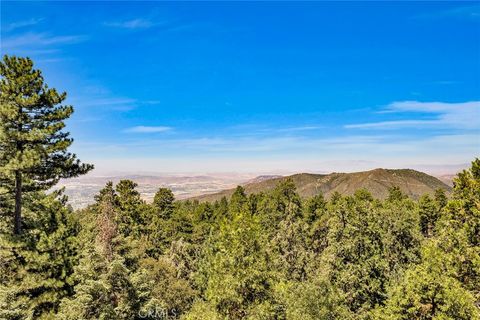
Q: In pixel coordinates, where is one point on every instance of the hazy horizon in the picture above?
(435, 170)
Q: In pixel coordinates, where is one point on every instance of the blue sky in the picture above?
(259, 87)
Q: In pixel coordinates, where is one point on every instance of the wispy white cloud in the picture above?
(151, 102)
(35, 40)
(107, 102)
(139, 23)
(50, 60)
(391, 124)
(464, 12)
(148, 129)
(262, 129)
(147, 23)
(110, 102)
(239, 145)
(286, 153)
(465, 115)
(439, 107)
(444, 82)
(21, 24)
(38, 44)
(96, 98)
(299, 128)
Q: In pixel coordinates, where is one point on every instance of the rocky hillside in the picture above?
(378, 181)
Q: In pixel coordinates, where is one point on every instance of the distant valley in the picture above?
(81, 190)
(208, 187)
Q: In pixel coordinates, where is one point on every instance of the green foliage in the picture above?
(315, 208)
(290, 249)
(263, 256)
(33, 146)
(163, 202)
(395, 194)
(107, 295)
(430, 291)
(37, 266)
(238, 201)
(282, 202)
(311, 300)
(269, 255)
(162, 288)
(369, 243)
(234, 272)
(129, 208)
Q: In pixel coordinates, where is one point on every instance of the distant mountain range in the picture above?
(378, 181)
(213, 186)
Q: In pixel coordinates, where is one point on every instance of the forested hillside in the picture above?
(266, 255)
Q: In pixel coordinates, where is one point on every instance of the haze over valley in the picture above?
(81, 190)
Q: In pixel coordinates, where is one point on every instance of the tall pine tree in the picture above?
(33, 147)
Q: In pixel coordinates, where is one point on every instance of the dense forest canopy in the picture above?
(267, 255)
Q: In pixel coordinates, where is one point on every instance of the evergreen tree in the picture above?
(312, 300)
(445, 285)
(314, 208)
(105, 221)
(283, 201)
(203, 220)
(429, 291)
(429, 215)
(103, 289)
(440, 199)
(369, 244)
(129, 208)
(220, 208)
(395, 194)
(160, 289)
(161, 230)
(163, 202)
(238, 201)
(290, 249)
(459, 229)
(37, 267)
(235, 275)
(33, 147)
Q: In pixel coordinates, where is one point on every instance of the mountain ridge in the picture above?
(377, 181)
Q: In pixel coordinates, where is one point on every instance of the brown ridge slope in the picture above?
(377, 181)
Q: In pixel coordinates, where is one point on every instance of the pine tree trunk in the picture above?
(18, 203)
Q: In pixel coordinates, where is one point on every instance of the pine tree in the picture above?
(282, 202)
(37, 267)
(163, 202)
(429, 291)
(105, 221)
(129, 205)
(369, 243)
(290, 248)
(103, 287)
(428, 215)
(238, 201)
(459, 229)
(33, 147)
(314, 208)
(235, 273)
(160, 230)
